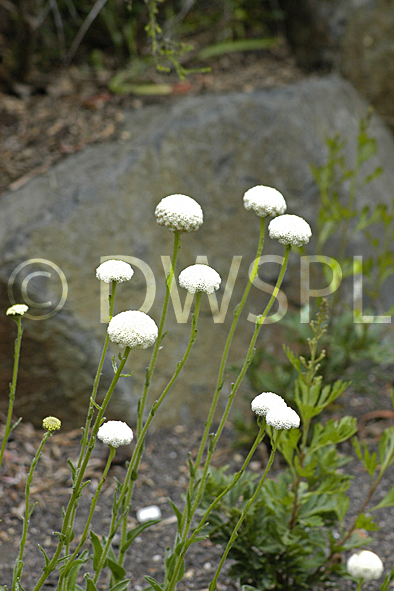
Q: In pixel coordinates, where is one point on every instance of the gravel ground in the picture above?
(163, 474)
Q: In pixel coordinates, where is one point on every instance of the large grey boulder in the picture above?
(355, 37)
(100, 202)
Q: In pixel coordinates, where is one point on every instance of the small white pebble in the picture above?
(148, 513)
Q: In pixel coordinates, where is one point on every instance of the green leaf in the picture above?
(90, 586)
(73, 470)
(366, 522)
(239, 45)
(177, 512)
(133, 533)
(154, 583)
(47, 561)
(74, 571)
(387, 501)
(117, 570)
(97, 549)
(368, 460)
(121, 586)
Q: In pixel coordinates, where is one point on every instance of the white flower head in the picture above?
(282, 417)
(199, 278)
(17, 310)
(179, 213)
(290, 229)
(115, 433)
(114, 270)
(265, 201)
(365, 565)
(265, 401)
(133, 329)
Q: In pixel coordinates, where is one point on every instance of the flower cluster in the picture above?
(179, 213)
(365, 565)
(200, 278)
(290, 229)
(17, 310)
(115, 433)
(265, 201)
(133, 329)
(114, 270)
(51, 424)
(275, 410)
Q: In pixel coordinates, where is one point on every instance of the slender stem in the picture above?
(235, 386)
(360, 584)
(97, 379)
(234, 535)
(187, 515)
(237, 313)
(93, 504)
(213, 505)
(26, 519)
(89, 416)
(66, 531)
(151, 367)
(222, 367)
(17, 348)
(134, 464)
(131, 475)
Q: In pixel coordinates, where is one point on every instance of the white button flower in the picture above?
(290, 229)
(114, 270)
(133, 329)
(115, 433)
(179, 213)
(265, 201)
(280, 417)
(365, 565)
(265, 401)
(17, 309)
(200, 278)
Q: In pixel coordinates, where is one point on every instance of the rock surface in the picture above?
(355, 37)
(100, 203)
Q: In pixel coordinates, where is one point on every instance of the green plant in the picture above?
(298, 527)
(356, 347)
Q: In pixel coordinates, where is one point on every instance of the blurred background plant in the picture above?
(359, 351)
(296, 534)
(42, 34)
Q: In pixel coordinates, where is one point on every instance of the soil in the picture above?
(41, 123)
(163, 474)
(60, 113)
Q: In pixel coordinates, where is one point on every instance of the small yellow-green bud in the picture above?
(51, 424)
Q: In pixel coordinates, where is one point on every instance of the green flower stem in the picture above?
(249, 357)
(85, 533)
(220, 378)
(66, 531)
(237, 313)
(26, 519)
(17, 349)
(89, 417)
(360, 584)
(233, 537)
(212, 506)
(132, 470)
(151, 367)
